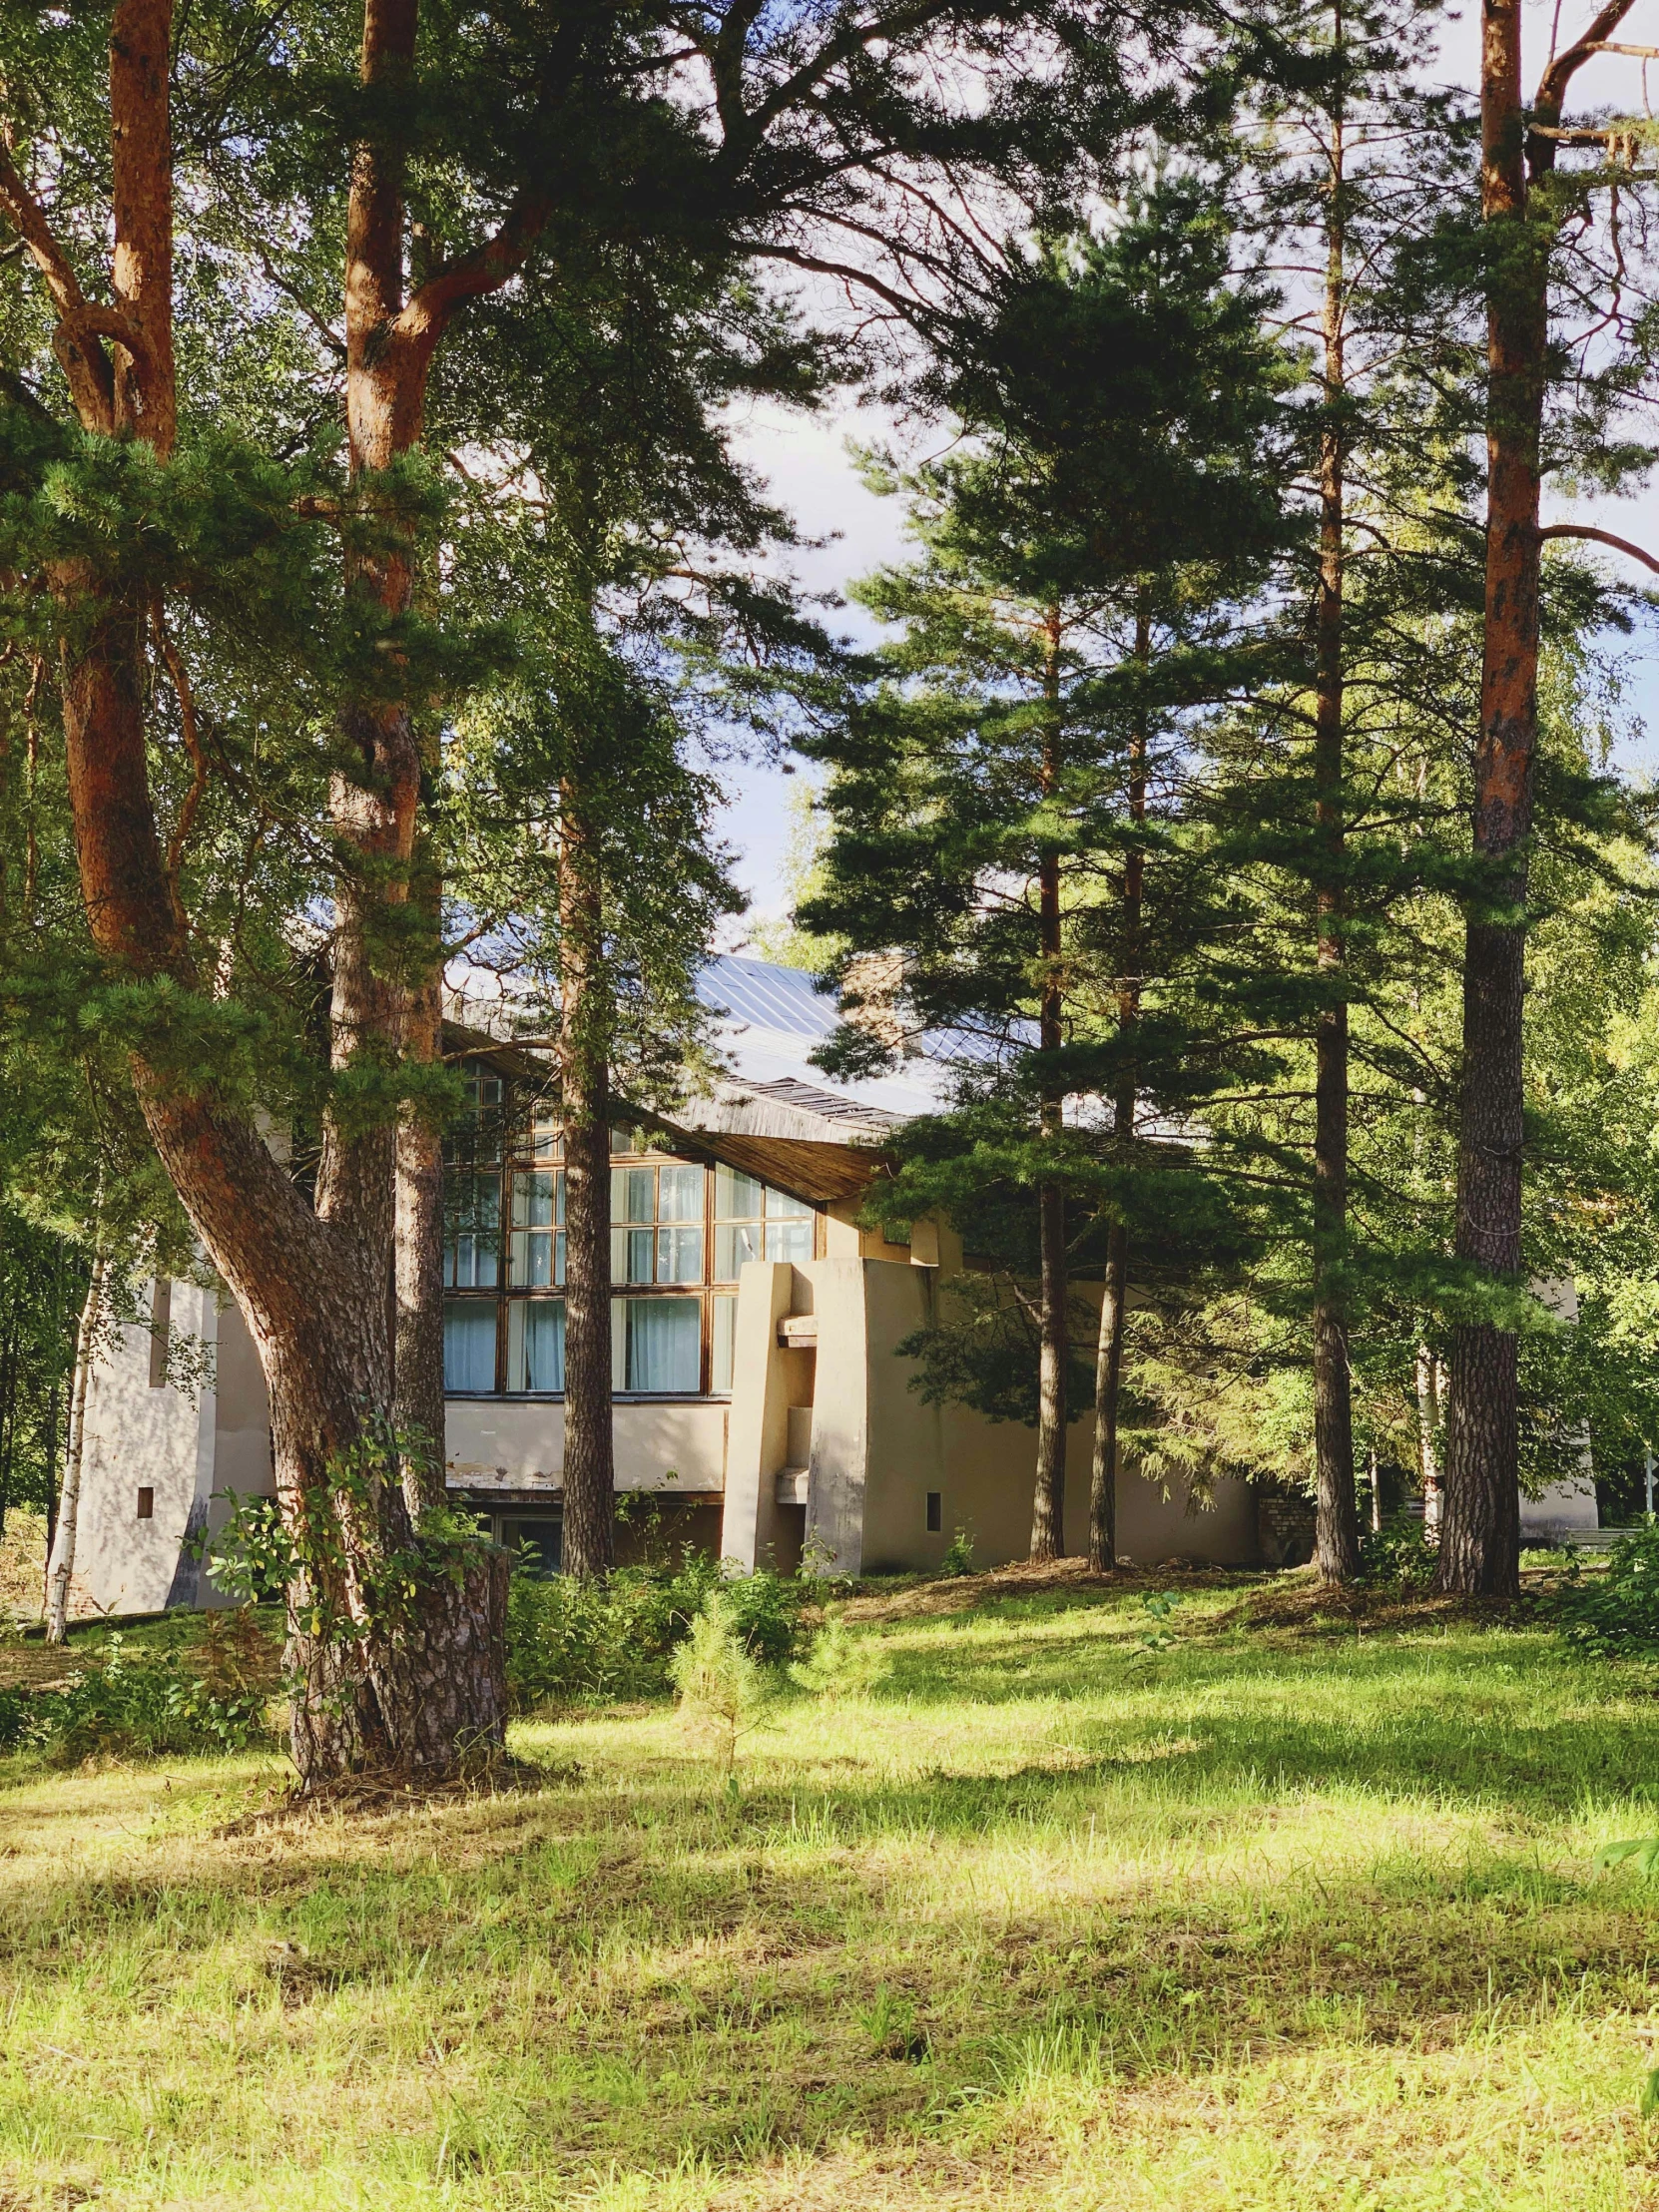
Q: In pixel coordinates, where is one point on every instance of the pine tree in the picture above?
(991, 797)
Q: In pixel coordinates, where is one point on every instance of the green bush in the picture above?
(130, 1704)
(127, 1706)
(1618, 1610)
(569, 1640)
(1396, 1557)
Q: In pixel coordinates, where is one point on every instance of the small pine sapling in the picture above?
(839, 1664)
(723, 1689)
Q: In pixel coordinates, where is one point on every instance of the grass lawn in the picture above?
(1301, 1911)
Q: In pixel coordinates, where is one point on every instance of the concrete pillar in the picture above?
(758, 1430)
(839, 1465)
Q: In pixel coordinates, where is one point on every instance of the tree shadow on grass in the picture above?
(1466, 1719)
(653, 1974)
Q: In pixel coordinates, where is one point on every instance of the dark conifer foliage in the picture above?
(1001, 799)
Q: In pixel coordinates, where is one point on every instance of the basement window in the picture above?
(145, 1502)
(935, 1512)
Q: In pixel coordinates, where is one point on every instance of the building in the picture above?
(762, 1411)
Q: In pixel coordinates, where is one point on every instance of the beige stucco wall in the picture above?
(875, 1449)
(520, 1443)
(767, 1379)
(154, 1438)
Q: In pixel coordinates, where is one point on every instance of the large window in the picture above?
(680, 1232)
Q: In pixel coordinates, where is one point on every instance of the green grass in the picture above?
(1300, 1916)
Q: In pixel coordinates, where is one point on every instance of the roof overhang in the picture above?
(802, 1140)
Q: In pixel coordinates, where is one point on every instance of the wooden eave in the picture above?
(822, 1172)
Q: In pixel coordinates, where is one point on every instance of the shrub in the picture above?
(569, 1640)
(131, 1705)
(1396, 1556)
(959, 1557)
(1618, 1610)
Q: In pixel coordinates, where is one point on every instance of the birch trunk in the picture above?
(1428, 1451)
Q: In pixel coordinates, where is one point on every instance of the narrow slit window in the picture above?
(160, 1332)
(935, 1512)
(145, 1502)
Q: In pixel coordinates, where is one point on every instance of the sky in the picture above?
(805, 461)
(809, 471)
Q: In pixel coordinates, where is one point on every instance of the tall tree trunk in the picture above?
(1336, 1520)
(60, 1573)
(1114, 1305)
(419, 1682)
(584, 1072)
(1048, 1507)
(1480, 1526)
(417, 1238)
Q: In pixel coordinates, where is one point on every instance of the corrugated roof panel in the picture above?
(768, 997)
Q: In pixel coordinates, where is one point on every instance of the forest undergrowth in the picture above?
(1198, 1893)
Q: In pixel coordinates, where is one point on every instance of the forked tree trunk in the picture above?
(1048, 1505)
(421, 1682)
(1336, 1520)
(1480, 1520)
(584, 1074)
(60, 1572)
(1114, 1305)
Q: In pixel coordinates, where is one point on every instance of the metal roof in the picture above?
(767, 997)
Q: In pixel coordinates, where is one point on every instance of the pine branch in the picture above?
(473, 275)
(81, 325)
(1599, 537)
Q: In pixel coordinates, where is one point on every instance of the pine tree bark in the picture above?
(1480, 1512)
(1114, 1305)
(1048, 1509)
(584, 1075)
(418, 1244)
(1337, 1519)
(415, 1689)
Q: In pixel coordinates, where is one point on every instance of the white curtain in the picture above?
(469, 1347)
(665, 1343)
(538, 1350)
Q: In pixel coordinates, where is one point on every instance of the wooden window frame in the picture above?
(517, 1154)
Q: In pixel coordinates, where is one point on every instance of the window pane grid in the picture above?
(677, 1227)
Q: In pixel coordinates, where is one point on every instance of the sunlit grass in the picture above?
(1290, 1918)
